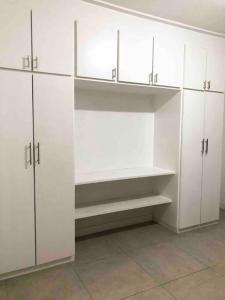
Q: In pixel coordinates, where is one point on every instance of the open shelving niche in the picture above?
(124, 132)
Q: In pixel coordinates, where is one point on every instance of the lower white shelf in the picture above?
(102, 209)
(121, 174)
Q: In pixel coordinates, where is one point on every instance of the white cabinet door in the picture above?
(53, 127)
(53, 40)
(15, 37)
(17, 231)
(194, 68)
(96, 50)
(135, 56)
(216, 71)
(213, 157)
(168, 62)
(191, 159)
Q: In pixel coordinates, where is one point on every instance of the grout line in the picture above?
(82, 283)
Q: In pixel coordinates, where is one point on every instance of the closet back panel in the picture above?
(113, 131)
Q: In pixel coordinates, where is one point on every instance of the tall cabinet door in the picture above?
(135, 56)
(53, 127)
(53, 40)
(96, 51)
(168, 62)
(191, 159)
(195, 68)
(17, 231)
(213, 157)
(15, 37)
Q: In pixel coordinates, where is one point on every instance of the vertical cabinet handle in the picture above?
(37, 147)
(203, 146)
(26, 62)
(28, 155)
(114, 74)
(207, 146)
(156, 78)
(209, 85)
(150, 77)
(204, 85)
(35, 63)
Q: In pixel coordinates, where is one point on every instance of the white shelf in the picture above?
(122, 87)
(122, 174)
(102, 209)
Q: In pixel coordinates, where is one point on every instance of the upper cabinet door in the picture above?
(15, 38)
(168, 62)
(195, 68)
(54, 152)
(215, 71)
(96, 51)
(135, 56)
(53, 36)
(213, 157)
(17, 229)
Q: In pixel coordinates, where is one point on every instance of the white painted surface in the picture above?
(212, 161)
(123, 205)
(15, 37)
(53, 124)
(53, 39)
(195, 67)
(96, 49)
(191, 159)
(215, 70)
(122, 174)
(135, 55)
(168, 62)
(17, 240)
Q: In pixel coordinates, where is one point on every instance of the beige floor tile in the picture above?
(114, 278)
(219, 268)
(3, 295)
(60, 283)
(207, 249)
(94, 249)
(166, 262)
(153, 294)
(142, 237)
(204, 285)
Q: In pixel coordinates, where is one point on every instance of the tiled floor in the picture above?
(142, 263)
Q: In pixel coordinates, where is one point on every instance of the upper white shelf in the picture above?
(122, 174)
(111, 86)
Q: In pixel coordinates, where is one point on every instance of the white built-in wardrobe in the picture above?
(106, 119)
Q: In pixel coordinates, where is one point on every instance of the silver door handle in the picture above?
(206, 146)
(151, 78)
(35, 63)
(156, 78)
(26, 62)
(209, 85)
(203, 146)
(204, 86)
(114, 74)
(28, 155)
(37, 147)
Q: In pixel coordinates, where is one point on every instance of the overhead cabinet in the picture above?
(135, 56)
(201, 158)
(96, 51)
(15, 38)
(204, 69)
(41, 40)
(131, 55)
(36, 156)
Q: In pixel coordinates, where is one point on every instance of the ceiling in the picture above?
(206, 14)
